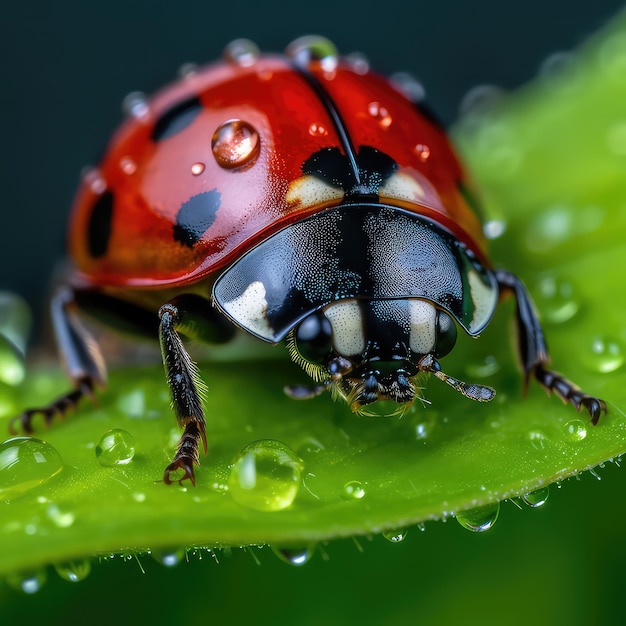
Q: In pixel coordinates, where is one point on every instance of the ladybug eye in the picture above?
(446, 334)
(313, 338)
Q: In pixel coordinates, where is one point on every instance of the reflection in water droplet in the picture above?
(74, 571)
(294, 555)
(605, 356)
(235, 143)
(537, 498)
(311, 49)
(480, 519)
(353, 490)
(380, 113)
(169, 557)
(556, 299)
(396, 535)
(116, 447)
(266, 476)
(575, 430)
(27, 582)
(242, 52)
(25, 463)
(135, 105)
(197, 168)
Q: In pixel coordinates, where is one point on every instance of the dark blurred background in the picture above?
(65, 68)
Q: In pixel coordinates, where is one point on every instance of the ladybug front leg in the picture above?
(533, 350)
(186, 390)
(81, 356)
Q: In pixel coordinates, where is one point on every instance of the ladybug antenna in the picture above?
(480, 393)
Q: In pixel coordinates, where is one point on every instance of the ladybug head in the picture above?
(373, 350)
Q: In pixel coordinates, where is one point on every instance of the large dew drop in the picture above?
(116, 447)
(480, 519)
(74, 571)
(25, 463)
(266, 476)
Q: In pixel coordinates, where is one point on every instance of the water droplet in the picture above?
(235, 143)
(422, 151)
(169, 557)
(575, 430)
(135, 105)
(483, 369)
(605, 355)
(494, 229)
(242, 52)
(312, 49)
(12, 366)
(187, 70)
(317, 130)
(480, 519)
(537, 498)
(15, 320)
(395, 536)
(556, 299)
(92, 178)
(537, 439)
(409, 86)
(128, 166)
(116, 447)
(197, 168)
(294, 555)
(266, 476)
(358, 62)
(26, 463)
(559, 70)
(480, 101)
(353, 490)
(74, 571)
(60, 518)
(27, 582)
(380, 114)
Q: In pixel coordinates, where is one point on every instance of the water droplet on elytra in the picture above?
(128, 166)
(169, 557)
(408, 85)
(27, 582)
(25, 463)
(187, 70)
(317, 130)
(575, 430)
(395, 536)
(358, 62)
(310, 49)
(235, 143)
(242, 52)
(353, 490)
(298, 555)
(266, 476)
(74, 571)
(537, 498)
(480, 519)
(135, 105)
(197, 168)
(116, 447)
(380, 114)
(605, 355)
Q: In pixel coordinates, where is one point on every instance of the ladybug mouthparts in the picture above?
(373, 350)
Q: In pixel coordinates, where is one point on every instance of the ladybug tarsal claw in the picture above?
(473, 391)
(182, 463)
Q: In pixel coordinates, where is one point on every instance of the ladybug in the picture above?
(298, 198)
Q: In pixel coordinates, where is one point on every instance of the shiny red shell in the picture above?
(143, 183)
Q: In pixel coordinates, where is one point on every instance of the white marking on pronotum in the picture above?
(249, 310)
(423, 318)
(346, 321)
(309, 191)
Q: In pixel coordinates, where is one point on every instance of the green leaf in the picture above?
(550, 161)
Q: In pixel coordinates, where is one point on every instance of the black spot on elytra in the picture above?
(99, 226)
(176, 119)
(195, 217)
(335, 168)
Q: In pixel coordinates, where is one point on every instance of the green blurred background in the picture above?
(66, 67)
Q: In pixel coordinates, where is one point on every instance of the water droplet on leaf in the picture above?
(353, 490)
(294, 555)
(480, 519)
(575, 430)
(396, 535)
(266, 476)
(605, 356)
(27, 582)
(116, 447)
(537, 498)
(74, 571)
(25, 463)
(168, 557)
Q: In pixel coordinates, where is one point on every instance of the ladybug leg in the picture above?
(186, 390)
(81, 356)
(533, 351)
